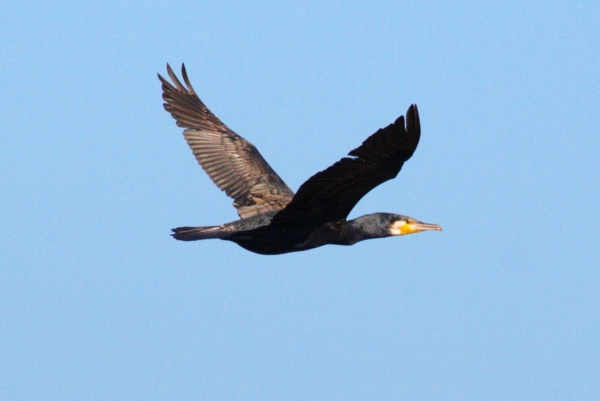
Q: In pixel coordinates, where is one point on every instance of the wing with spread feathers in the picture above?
(331, 194)
(231, 162)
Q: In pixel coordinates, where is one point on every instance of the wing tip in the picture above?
(413, 123)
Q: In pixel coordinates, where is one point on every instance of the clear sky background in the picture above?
(98, 302)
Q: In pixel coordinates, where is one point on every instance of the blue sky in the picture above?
(97, 302)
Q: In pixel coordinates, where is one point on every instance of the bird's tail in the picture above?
(196, 233)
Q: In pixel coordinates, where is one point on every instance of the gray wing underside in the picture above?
(231, 162)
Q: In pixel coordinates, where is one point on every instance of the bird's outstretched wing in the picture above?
(230, 161)
(331, 194)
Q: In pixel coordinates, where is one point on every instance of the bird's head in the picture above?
(402, 225)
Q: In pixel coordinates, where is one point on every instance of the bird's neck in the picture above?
(350, 232)
(367, 227)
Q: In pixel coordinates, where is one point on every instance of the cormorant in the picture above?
(274, 220)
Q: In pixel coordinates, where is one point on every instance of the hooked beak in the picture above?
(417, 227)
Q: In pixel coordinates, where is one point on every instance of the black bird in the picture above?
(274, 220)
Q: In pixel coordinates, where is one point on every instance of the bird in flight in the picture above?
(274, 220)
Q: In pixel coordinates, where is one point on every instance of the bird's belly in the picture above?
(279, 239)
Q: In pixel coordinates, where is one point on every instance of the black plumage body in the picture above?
(274, 220)
(258, 235)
